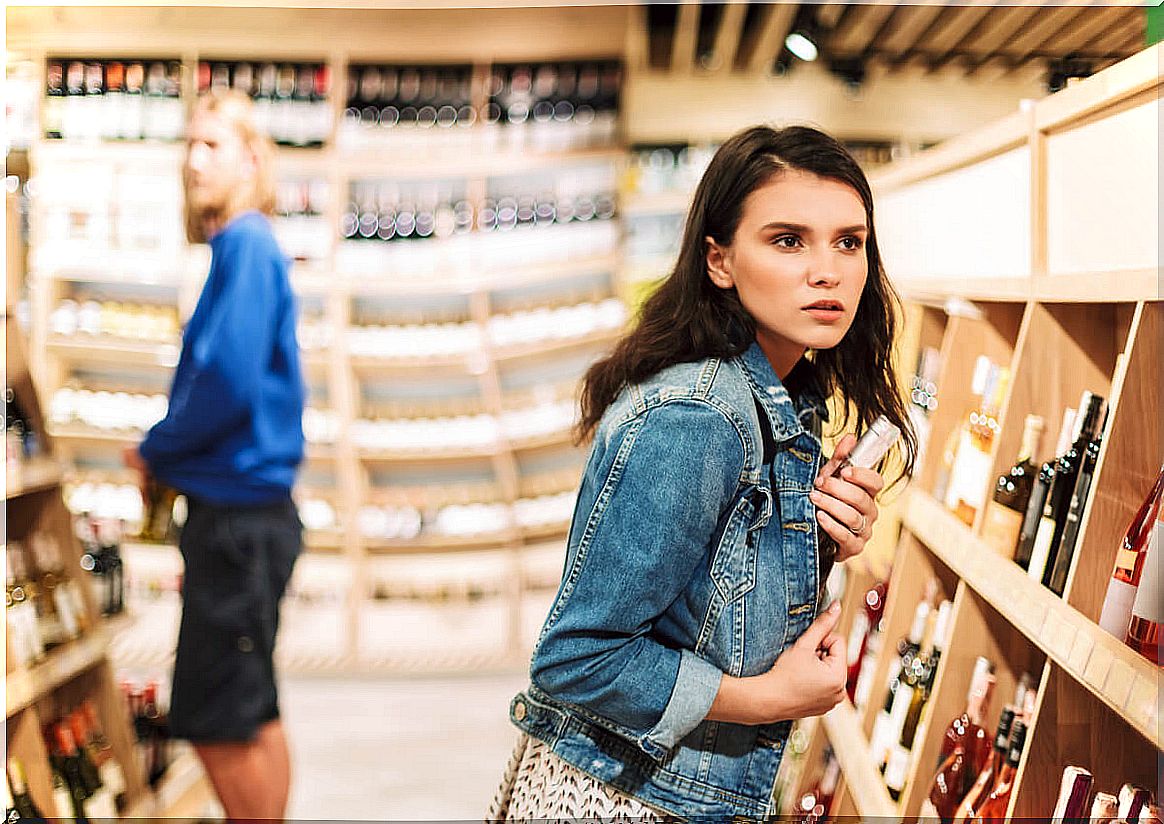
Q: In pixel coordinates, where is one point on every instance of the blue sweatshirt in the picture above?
(233, 433)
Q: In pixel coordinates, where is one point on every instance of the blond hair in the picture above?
(236, 109)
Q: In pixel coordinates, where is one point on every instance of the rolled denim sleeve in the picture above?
(647, 512)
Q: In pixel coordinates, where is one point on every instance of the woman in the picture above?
(685, 637)
(232, 441)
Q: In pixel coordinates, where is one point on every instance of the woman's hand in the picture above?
(807, 679)
(845, 506)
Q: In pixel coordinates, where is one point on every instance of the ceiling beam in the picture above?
(859, 28)
(1043, 26)
(998, 27)
(638, 47)
(954, 29)
(727, 39)
(686, 34)
(907, 26)
(1090, 24)
(777, 22)
(1130, 27)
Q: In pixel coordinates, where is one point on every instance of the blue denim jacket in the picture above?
(688, 557)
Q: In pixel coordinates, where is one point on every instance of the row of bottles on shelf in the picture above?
(87, 99)
(388, 211)
(1133, 804)
(544, 107)
(22, 443)
(1035, 510)
(484, 431)
(44, 603)
(301, 223)
(154, 323)
(291, 100)
(669, 168)
(501, 330)
(405, 523)
(974, 780)
(912, 674)
(88, 783)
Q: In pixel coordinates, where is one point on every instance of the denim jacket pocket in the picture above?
(733, 567)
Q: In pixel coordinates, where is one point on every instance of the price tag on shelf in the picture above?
(1058, 635)
(1098, 666)
(1144, 702)
(1119, 683)
(1080, 653)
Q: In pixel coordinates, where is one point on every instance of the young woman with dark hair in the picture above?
(687, 633)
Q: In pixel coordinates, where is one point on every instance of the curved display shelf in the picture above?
(1126, 682)
(31, 476)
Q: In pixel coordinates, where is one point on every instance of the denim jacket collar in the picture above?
(788, 418)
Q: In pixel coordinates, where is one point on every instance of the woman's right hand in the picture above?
(807, 679)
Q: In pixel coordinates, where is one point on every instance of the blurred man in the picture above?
(232, 441)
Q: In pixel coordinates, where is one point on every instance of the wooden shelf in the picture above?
(449, 455)
(438, 543)
(441, 364)
(81, 433)
(323, 540)
(563, 346)
(482, 281)
(371, 163)
(106, 349)
(543, 532)
(550, 440)
(864, 781)
(1090, 287)
(61, 665)
(32, 476)
(1125, 681)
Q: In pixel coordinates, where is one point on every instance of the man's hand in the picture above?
(132, 458)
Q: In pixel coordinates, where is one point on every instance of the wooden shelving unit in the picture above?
(335, 292)
(1061, 326)
(78, 669)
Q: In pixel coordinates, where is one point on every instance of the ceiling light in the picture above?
(802, 45)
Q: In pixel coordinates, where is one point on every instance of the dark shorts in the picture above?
(238, 561)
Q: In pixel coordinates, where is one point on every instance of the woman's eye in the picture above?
(851, 243)
(786, 241)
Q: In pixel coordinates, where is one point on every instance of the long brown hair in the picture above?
(236, 109)
(689, 318)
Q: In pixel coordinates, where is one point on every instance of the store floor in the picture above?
(399, 748)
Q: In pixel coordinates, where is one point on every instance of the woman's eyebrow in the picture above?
(800, 227)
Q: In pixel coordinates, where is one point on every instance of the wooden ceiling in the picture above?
(985, 39)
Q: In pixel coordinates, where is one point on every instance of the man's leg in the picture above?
(253, 778)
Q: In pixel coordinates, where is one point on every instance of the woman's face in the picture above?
(798, 263)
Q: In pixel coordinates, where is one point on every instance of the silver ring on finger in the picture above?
(859, 531)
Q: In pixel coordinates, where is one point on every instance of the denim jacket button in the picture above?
(519, 711)
(772, 390)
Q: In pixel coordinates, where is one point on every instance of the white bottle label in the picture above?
(64, 605)
(897, 767)
(1042, 549)
(1117, 608)
(1149, 602)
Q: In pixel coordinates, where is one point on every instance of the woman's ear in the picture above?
(718, 264)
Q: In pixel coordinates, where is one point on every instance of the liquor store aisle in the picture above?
(396, 749)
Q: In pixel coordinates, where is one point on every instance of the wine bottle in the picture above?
(1133, 803)
(864, 626)
(111, 105)
(99, 800)
(101, 751)
(989, 773)
(1074, 790)
(54, 102)
(966, 491)
(1145, 633)
(1038, 497)
(1012, 492)
(1067, 467)
(68, 785)
(21, 802)
(996, 803)
(1079, 497)
(882, 736)
(1129, 565)
(928, 674)
(814, 805)
(965, 749)
(1104, 809)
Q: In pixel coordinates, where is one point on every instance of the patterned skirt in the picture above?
(540, 786)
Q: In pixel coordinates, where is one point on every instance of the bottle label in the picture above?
(1149, 602)
(69, 624)
(1117, 608)
(1001, 528)
(1042, 550)
(969, 476)
(897, 767)
(62, 799)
